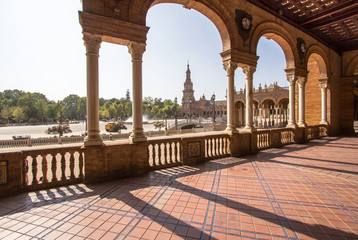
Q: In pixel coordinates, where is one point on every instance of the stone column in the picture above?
(136, 50)
(260, 116)
(323, 85)
(92, 43)
(292, 81)
(249, 72)
(301, 101)
(239, 115)
(230, 75)
(276, 116)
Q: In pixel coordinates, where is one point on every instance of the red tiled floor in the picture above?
(305, 191)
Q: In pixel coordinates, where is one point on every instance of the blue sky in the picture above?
(42, 51)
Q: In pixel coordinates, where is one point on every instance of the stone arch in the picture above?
(317, 71)
(320, 57)
(352, 68)
(266, 99)
(280, 35)
(216, 12)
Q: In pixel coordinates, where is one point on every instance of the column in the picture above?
(292, 81)
(92, 43)
(301, 101)
(249, 72)
(323, 85)
(136, 50)
(239, 115)
(276, 116)
(260, 116)
(265, 115)
(230, 75)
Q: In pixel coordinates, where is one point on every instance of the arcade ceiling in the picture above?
(334, 22)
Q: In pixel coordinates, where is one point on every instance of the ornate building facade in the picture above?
(192, 108)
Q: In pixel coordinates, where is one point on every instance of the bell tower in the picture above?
(188, 92)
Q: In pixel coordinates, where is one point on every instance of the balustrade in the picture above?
(53, 167)
(217, 146)
(164, 153)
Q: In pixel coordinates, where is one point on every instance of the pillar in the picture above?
(276, 116)
(292, 117)
(249, 72)
(301, 101)
(136, 50)
(260, 116)
(230, 75)
(323, 85)
(92, 43)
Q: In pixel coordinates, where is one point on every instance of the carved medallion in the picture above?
(244, 23)
(301, 47)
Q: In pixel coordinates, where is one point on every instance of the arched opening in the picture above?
(195, 44)
(317, 73)
(275, 56)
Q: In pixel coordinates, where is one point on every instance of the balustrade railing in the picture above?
(48, 168)
(274, 138)
(164, 153)
(217, 146)
(263, 139)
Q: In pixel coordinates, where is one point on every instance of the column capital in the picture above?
(323, 83)
(291, 78)
(229, 67)
(136, 50)
(248, 70)
(92, 43)
(301, 81)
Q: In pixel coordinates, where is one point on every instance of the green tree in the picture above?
(70, 106)
(81, 108)
(28, 103)
(128, 96)
(52, 111)
(18, 114)
(41, 108)
(6, 113)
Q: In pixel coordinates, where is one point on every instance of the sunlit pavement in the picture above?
(296, 192)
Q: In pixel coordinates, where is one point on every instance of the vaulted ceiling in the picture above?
(335, 22)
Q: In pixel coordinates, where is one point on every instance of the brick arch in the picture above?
(352, 67)
(318, 55)
(280, 35)
(283, 101)
(317, 69)
(215, 11)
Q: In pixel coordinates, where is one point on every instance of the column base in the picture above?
(292, 125)
(324, 122)
(230, 129)
(249, 129)
(94, 140)
(137, 136)
(302, 124)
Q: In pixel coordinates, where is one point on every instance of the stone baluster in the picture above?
(323, 84)
(136, 50)
(92, 43)
(276, 116)
(260, 116)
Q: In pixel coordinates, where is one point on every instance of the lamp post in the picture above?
(176, 113)
(213, 101)
(190, 103)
